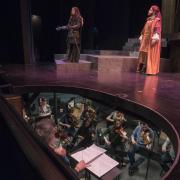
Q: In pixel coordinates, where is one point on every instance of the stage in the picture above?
(159, 94)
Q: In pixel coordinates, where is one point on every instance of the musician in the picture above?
(85, 135)
(44, 107)
(167, 156)
(88, 114)
(115, 115)
(142, 137)
(68, 124)
(115, 137)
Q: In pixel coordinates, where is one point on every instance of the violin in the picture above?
(146, 138)
(121, 133)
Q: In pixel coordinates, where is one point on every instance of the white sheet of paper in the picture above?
(97, 148)
(102, 165)
(88, 154)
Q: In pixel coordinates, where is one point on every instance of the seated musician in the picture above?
(167, 156)
(84, 136)
(68, 124)
(88, 114)
(44, 108)
(142, 137)
(115, 138)
(113, 116)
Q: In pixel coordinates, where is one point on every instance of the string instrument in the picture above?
(63, 136)
(90, 115)
(146, 139)
(123, 137)
(121, 133)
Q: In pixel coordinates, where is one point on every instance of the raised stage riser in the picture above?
(106, 63)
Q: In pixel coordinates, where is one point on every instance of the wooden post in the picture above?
(27, 31)
(16, 102)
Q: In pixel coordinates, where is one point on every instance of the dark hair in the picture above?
(40, 100)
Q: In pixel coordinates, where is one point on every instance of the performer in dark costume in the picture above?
(74, 35)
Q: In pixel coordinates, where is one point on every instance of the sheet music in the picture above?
(99, 162)
(102, 165)
(88, 154)
(97, 148)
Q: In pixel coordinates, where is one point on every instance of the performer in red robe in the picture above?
(150, 40)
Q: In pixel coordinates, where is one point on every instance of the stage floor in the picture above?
(160, 93)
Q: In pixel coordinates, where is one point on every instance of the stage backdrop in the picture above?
(108, 24)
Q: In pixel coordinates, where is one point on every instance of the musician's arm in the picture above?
(81, 137)
(80, 166)
(106, 132)
(106, 140)
(165, 145)
(109, 118)
(133, 140)
(62, 152)
(49, 109)
(65, 124)
(134, 134)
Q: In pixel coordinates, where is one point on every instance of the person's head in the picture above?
(119, 115)
(117, 123)
(154, 11)
(91, 112)
(144, 127)
(75, 11)
(42, 101)
(87, 123)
